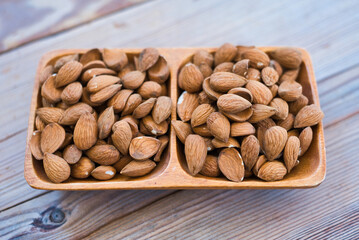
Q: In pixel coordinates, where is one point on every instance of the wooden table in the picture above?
(328, 29)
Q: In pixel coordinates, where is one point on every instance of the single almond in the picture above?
(162, 109)
(262, 127)
(281, 107)
(39, 124)
(98, 83)
(160, 71)
(63, 60)
(287, 123)
(85, 132)
(68, 73)
(72, 93)
(85, 98)
(225, 53)
(269, 76)
(186, 104)
(93, 72)
(261, 93)
(131, 121)
(241, 67)
(232, 142)
(308, 116)
(150, 89)
(289, 75)
(261, 112)
(144, 108)
(287, 57)
(210, 167)
(290, 90)
(294, 107)
(257, 58)
(103, 154)
(274, 90)
(142, 148)
(35, 145)
(105, 93)
(105, 122)
(56, 168)
(213, 95)
(122, 136)
(90, 55)
(205, 70)
(242, 129)
(133, 79)
(73, 113)
(148, 58)
(203, 98)
(153, 128)
(250, 151)
(241, 49)
(132, 103)
(241, 116)
(195, 152)
(291, 152)
(274, 64)
(182, 129)
(119, 100)
(72, 154)
(253, 74)
(242, 92)
(138, 168)
(272, 171)
(219, 126)
(225, 81)
(94, 64)
(115, 59)
(83, 168)
(259, 163)
(103, 172)
(202, 130)
(232, 103)
(164, 142)
(46, 73)
(52, 137)
(191, 78)
(203, 56)
(49, 114)
(200, 114)
(305, 137)
(120, 164)
(224, 67)
(49, 91)
(231, 164)
(275, 139)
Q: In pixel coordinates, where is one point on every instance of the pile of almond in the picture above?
(102, 113)
(243, 113)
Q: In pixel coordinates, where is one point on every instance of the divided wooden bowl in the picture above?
(171, 172)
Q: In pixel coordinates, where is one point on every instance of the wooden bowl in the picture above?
(171, 172)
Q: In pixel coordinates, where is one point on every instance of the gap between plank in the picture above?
(19, 203)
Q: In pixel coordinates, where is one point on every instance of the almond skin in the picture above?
(144, 108)
(162, 109)
(68, 73)
(52, 137)
(205, 70)
(232, 103)
(253, 74)
(152, 127)
(164, 142)
(290, 90)
(241, 116)
(202, 130)
(203, 56)
(138, 168)
(250, 151)
(98, 83)
(219, 126)
(294, 107)
(242, 129)
(63, 60)
(269, 76)
(232, 142)
(260, 92)
(85, 132)
(105, 122)
(89, 74)
(287, 123)
(274, 64)
(115, 58)
(195, 152)
(224, 67)
(200, 114)
(122, 136)
(308, 116)
(118, 101)
(72, 93)
(83, 168)
(231, 164)
(150, 89)
(103, 154)
(105, 93)
(133, 79)
(191, 78)
(35, 145)
(39, 124)
(272, 171)
(120, 164)
(287, 57)
(291, 152)
(73, 113)
(91, 55)
(186, 104)
(275, 139)
(56, 168)
(182, 129)
(49, 91)
(103, 172)
(257, 58)
(289, 75)
(148, 58)
(50, 114)
(305, 137)
(225, 53)
(261, 112)
(132, 103)
(242, 92)
(241, 67)
(259, 163)
(225, 81)
(94, 64)
(281, 107)
(72, 154)
(160, 71)
(142, 148)
(46, 73)
(210, 167)
(212, 95)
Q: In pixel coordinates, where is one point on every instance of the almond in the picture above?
(202, 130)
(257, 58)
(182, 129)
(287, 123)
(164, 142)
(259, 163)
(142, 148)
(83, 168)
(105, 122)
(261, 112)
(274, 90)
(93, 72)
(115, 59)
(224, 67)
(261, 93)
(85, 132)
(68, 73)
(49, 91)
(308, 116)
(232, 142)
(120, 164)
(150, 89)
(275, 139)
(210, 167)
(287, 57)
(144, 108)
(225, 81)
(39, 124)
(72, 154)
(94, 64)
(56, 168)
(240, 50)
(219, 126)
(232, 103)
(250, 151)
(209, 144)
(103, 172)
(196, 152)
(213, 95)
(133, 79)
(98, 83)
(281, 107)
(205, 70)
(269, 76)
(46, 73)
(132, 122)
(90, 55)
(262, 127)
(153, 128)
(63, 60)
(162, 109)
(242, 92)
(200, 114)
(225, 53)
(203, 98)
(241, 116)
(253, 74)
(305, 137)
(35, 145)
(274, 64)
(241, 67)
(186, 104)
(242, 129)
(231, 164)
(105, 93)
(72, 93)
(298, 104)
(291, 152)
(73, 113)
(290, 91)
(119, 100)
(52, 137)
(86, 98)
(148, 58)
(138, 168)
(160, 71)
(289, 75)
(103, 154)
(49, 114)
(191, 78)
(272, 171)
(122, 136)
(203, 56)
(132, 103)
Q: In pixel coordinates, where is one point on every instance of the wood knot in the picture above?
(51, 218)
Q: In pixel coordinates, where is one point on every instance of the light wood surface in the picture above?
(327, 29)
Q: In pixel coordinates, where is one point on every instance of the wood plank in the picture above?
(43, 18)
(329, 211)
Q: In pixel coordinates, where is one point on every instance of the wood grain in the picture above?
(43, 18)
